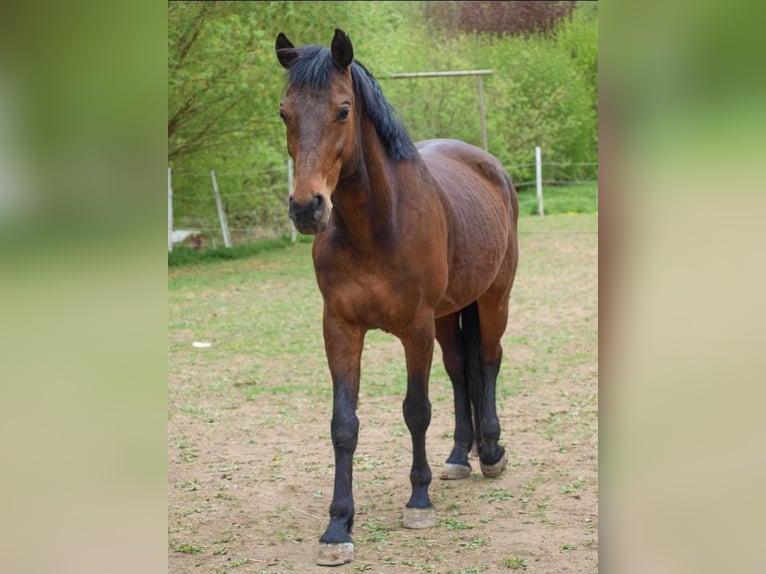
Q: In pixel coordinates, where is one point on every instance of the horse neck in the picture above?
(366, 202)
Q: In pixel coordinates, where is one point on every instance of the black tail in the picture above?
(469, 318)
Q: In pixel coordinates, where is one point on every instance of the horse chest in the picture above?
(375, 302)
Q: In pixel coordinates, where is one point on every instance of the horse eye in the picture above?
(342, 114)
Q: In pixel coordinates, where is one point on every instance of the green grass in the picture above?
(183, 255)
(265, 310)
(560, 199)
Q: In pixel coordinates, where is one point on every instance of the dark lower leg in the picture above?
(489, 426)
(463, 424)
(450, 337)
(417, 415)
(345, 432)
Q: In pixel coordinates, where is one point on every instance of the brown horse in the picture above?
(417, 240)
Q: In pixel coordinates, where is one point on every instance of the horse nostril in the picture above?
(317, 205)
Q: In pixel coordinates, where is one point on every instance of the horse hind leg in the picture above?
(450, 338)
(484, 323)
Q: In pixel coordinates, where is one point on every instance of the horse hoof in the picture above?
(335, 554)
(419, 517)
(494, 470)
(455, 471)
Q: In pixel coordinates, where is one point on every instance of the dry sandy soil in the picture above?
(250, 463)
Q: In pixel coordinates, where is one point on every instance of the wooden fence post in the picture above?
(170, 212)
(221, 212)
(539, 178)
(290, 179)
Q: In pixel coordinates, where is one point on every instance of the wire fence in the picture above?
(229, 208)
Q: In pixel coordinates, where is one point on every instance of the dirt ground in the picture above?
(250, 473)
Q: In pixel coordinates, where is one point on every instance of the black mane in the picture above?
(313, 68)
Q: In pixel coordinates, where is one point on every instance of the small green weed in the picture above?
(475, 543)
(188, 549)
(232, 565)
(188, 485)
(497, 495)
(376, 532)
(572, 487)
(454, 524)
(515, 563)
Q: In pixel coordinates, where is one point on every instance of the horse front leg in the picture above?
(418, 343)
(343, 344)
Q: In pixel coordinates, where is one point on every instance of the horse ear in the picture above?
(286, 52)
(342, 50)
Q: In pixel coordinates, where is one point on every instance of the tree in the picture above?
(500, 18)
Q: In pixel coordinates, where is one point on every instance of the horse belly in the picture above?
(479, 243)
(477, 203)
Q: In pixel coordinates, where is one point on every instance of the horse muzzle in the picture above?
(311, 217)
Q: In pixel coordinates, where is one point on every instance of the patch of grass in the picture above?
(570, 199)
(451, 523)
(531, 486)
(366, 462)
(555, 424)
(183, 255)
(514, 563)
(189, 512)
(475, 543)
(572, 487)
(541, 508)
(568, 548)
(188, 549)
(232, 565)
(376, 532)
(497, 495)
(188, 485)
